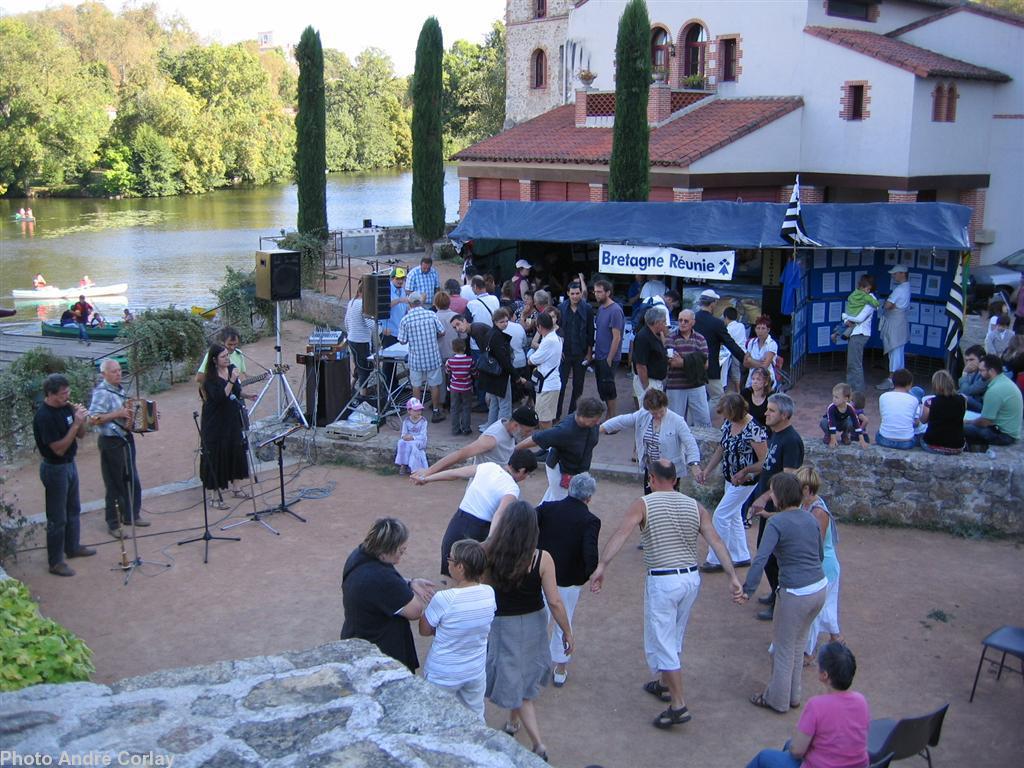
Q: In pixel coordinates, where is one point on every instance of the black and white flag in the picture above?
(793, 225)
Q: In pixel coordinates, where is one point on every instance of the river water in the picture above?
(174, 250)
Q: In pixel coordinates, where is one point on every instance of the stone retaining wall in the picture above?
(341, 704)
(962, 494)
(395, 240)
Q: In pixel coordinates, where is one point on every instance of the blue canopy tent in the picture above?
(854, 238)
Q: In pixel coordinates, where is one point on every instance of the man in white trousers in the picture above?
(569, 444)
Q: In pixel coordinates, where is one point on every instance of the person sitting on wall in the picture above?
(1002, 409)
(898, 412)
(972, 386)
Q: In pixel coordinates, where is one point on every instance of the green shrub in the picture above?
(312, 249)
(21, 389)
(161, 337)
(34, 649)
(14, 527)
(238, 303)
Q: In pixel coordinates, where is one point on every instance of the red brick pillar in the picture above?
(659, 103)
(598, 193)
(467, 189)
(975, 200)
(581, 108)
(527, 190)
(808, 194)
(902, 195)
(685, 195)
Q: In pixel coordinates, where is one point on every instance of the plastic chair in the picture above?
(882, 762)
(906, 738)
(1009, 640)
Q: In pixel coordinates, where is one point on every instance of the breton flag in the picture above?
(793, 225)
(955, 310)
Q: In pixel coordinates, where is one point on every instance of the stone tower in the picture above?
(538, 74)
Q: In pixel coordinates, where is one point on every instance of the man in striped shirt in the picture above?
(669, 522)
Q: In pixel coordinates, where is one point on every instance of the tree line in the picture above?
(135, 104)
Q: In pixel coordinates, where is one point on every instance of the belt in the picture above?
(672, 571)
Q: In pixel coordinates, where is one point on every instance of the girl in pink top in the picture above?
(833, 728)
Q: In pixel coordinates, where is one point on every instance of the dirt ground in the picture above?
(914, 604)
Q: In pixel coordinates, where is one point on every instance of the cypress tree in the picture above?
(628, 173)
(427, 152)
(311, 137)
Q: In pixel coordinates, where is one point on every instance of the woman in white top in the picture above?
(546, 359)
(359, 330)
(761, 349)
(659, 433)
(898, 411)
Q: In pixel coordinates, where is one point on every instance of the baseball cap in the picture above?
(898, 268)
(709, 294)
(398, 272)
(523, 264)
(526, 416)
(412, 404)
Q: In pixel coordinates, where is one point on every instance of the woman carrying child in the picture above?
(827, 619)
(856, 328)
(410, 455)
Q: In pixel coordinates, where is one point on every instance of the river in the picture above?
(174, 250)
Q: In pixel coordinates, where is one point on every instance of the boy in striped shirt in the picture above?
(459, 368)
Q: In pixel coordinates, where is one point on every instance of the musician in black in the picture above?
(223, 440)
(109, 412)
(58, 425)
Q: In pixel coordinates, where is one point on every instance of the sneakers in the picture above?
(83, 552)
(768, 614)
(62, 569)
(559, 678)
(139, 523)
(117, 532)
(885, 386)
(437, 416)
(711, 568)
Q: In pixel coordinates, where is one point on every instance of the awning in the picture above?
(716, 224)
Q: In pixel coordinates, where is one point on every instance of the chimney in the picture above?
(581, 107)
(659, 103)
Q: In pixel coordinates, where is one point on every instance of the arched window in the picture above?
(659, 48)
(539, 70)
(694, 42)
(951, 97)
(939, 104)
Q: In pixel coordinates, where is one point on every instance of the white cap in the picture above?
(709, 294)
(898, 268)
(523, 264)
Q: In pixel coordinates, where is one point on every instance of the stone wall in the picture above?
(341, 704)
(526, 35)
(396, 240)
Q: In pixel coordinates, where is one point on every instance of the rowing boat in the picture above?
(53, 292)
(108, 331)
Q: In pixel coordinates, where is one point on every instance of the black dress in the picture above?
(222, 434)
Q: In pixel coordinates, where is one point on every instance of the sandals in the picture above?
(240, 494)
(758, 700)
(541, 752)
(671, 717)
(512, 727)
(219, 504)
(658, 690)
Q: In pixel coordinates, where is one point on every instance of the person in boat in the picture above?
(67, 319)
(29, 214)
(86, 282)
(21, 213)
(39, 281)
(82, 310)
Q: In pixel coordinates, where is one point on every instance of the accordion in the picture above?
(144, 415)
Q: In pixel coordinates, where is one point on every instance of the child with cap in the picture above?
(410, 455)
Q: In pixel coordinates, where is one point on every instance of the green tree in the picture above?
(427, 160)
(474, 90)
(629, 169)
(310, 129)
(52, 107)
(1013, 6)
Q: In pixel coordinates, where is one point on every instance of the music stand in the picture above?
(256, 517)
(207, 537)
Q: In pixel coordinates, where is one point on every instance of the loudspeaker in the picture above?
(377, 295)
(278, 275)
(330, 384)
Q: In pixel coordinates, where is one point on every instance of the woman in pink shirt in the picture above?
(833, 728)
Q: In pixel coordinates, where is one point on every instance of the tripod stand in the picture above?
(207, 537)
(256, 517)
(284, 389)
(127, 567)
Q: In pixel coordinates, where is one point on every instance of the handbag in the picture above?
(488, 363)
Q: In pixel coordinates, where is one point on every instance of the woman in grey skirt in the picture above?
(793, 535)
(518, 656)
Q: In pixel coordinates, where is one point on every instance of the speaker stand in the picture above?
(284, 389)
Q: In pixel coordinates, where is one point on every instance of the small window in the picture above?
(856, 98)
(694, 42)
(939, 104)
(951, 97)
(727, 55)
(850, 9)
(540, 9)
(659, 48)
(539, 70)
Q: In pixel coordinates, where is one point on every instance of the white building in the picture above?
(868, 100)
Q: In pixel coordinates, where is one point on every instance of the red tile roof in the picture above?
(980, 10)
(920, 61)
(554, 138)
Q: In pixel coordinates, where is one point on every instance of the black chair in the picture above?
(883, 762)
(906, 738)
(1009, 640)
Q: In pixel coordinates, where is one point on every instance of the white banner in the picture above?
(654, 260)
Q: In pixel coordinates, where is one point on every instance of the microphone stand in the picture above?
(128, 566)
(256, 516)
(278, 441)
(204, 461)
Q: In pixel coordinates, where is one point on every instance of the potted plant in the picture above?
(660, 74)
(694, 82)
(586, 76)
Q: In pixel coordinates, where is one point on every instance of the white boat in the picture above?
(53, 292)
